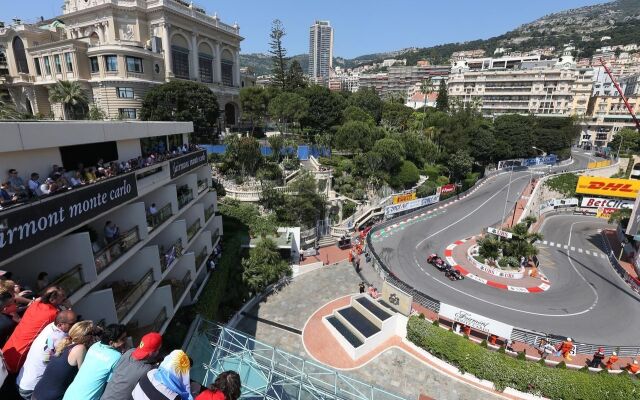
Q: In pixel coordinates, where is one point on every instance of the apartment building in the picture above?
(400, 80)
(320, 52)
(165, 212)
(522, 85)
(607, 115)
(117, 50)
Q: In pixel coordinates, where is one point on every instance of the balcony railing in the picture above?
(70, 281)
(193, 229)
(178, 289)
(170, 255)
(185, 198)
(115, 249)
(137, 332)
(127, 295)
(209, 211)
(202, 185)
(201, 257)
(214, 237)
(163, 214)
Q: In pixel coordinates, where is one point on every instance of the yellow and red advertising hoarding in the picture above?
(610, 187)
(403, 198)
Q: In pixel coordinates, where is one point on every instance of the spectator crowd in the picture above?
(16, 190)
(49, 353)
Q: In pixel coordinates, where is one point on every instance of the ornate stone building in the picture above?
(119, 49)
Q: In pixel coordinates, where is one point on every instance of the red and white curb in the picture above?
(543, 287)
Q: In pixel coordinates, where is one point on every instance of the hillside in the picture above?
(583, 27)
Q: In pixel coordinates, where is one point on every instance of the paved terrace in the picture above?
(281, 317)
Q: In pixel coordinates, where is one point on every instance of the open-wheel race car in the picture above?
(450, 272)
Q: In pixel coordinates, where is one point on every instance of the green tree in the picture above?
(627, 138)
(288, 107)
(296, 79)
(406, 177)
(396, 115)
(391, 151)
(71, 96)
(483, 145)
(96, 113)
(278, 55)
(460, 164)
(355, 113)
(325, 109)
(621, 216)
(354, 136)
(8, 110)
(442, 102)
(518, 131)
(426, 88)
(306, 206)
(489, 248)
(182, 100)
(368, 100)
(264, 266)
(249, 156)
(254, 102)
(277, 144)
(420, 150)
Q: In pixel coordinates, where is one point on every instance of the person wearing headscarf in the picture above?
(169, 381)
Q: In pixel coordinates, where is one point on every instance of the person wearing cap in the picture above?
(565, 349)
(170, 381)
(611, 361)
(633, 368)
(132, 366)
(598, 356)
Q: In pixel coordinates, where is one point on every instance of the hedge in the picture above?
(529, 377)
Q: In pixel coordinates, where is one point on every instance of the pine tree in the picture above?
(295, 76)
(278, 54)
(442, 102)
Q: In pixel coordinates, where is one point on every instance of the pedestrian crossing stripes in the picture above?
(593, 253)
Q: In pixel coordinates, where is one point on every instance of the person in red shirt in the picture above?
(565, 349)
(226, 387)
(39, 314)
(633, 368)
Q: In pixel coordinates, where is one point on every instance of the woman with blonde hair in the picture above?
(64, 364)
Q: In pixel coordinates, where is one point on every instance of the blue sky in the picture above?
(361, 26)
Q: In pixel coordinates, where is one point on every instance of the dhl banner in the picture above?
(403, 198)
(627, 188)
(599, 164)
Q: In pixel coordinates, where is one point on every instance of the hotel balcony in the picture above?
(179, 279)
(185, 196)
(170, 243)
(158, 218)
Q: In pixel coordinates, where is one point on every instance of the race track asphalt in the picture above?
(587, 300)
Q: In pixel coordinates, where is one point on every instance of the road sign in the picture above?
(499, 232)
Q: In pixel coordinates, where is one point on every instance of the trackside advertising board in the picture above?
(410, 205)
(610, 187)
(476, 321)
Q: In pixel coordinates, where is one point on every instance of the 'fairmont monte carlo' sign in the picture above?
(186, 163)
(31, 224)
(476, 321)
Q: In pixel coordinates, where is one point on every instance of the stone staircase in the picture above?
(327, 241)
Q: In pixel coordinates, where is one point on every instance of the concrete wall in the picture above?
(160, 298)
(128, 149)
(98, 305)
(19, 136)
(137, 266)
(26, 162)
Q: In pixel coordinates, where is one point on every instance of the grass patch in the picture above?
(530, 377)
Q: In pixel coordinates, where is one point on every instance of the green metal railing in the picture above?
(116, 249)
(126, 303)
(163, 214)
(70, 281)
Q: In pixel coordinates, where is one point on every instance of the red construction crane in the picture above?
(626, 103)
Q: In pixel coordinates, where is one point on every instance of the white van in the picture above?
(635, 172)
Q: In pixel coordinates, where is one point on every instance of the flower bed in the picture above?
(530, 377)
(495, 271)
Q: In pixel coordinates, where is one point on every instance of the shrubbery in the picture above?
(505, 371)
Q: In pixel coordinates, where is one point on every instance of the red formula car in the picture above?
(451, 273)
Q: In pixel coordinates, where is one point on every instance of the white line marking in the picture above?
(559, 245)
(552, 244)
(573, 248)
(587, 252)
(565, 247)
(544, 242)
(579, 250)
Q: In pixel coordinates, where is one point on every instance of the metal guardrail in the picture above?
(518, 334)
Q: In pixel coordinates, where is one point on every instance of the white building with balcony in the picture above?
(165, 212)
(117, 50)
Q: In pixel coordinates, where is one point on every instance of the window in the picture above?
(95, 68)
(227, 73)
(180, 57)
(36, 61)
(111, 63)
(20, 55)
(127, 113)
(134, 64)
(56, 61)
(47, 65)
(125, 93)
(68, 61)
(206, 68)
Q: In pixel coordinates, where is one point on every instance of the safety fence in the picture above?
(518, 334)
(618, 268)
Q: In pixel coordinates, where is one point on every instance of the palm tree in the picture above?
(8, 110)
(426, 87)
(72, 97)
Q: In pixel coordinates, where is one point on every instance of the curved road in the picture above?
(587, 300)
